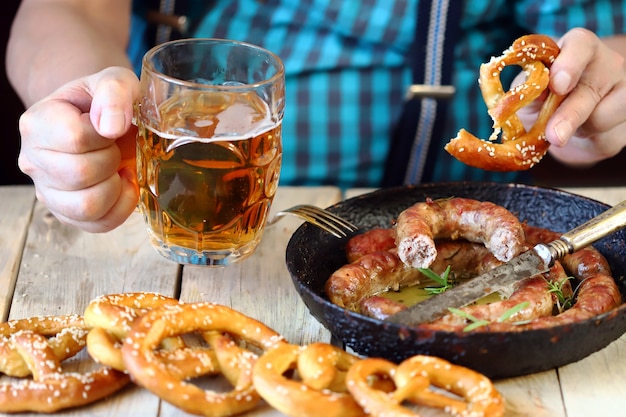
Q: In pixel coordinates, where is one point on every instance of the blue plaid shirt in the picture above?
(347, 72)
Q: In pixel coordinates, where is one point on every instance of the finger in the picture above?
(114, 93)
(67, 172)
(585, 152)
(58, 125)
(602, 74)
(577, 50)
(609, 112)
(71, 168)
(100, 208)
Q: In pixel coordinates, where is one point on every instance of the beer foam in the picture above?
(239, 121)
(240, 117)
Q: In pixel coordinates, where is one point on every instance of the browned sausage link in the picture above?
(596, 295)
(370, 241)
(382, 271)
(380, 307)
(466, 259)
(477, 221)
(597, 292)
(532, 290)
(581, 264)
(586, 263)
(370, 274)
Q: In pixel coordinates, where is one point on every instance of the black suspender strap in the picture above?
(423, 115)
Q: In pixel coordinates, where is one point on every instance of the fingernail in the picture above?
(561, 82)
(564, 131)
(112, 122)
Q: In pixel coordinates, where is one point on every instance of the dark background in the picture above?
(11, 107)
(548, 172)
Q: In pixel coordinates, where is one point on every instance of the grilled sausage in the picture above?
(477, 221)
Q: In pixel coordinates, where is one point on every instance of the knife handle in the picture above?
(604, 224)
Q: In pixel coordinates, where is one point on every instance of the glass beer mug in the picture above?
(208, 147)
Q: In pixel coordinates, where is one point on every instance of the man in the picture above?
(348, 67)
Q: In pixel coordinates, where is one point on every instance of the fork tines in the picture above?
(326, 220)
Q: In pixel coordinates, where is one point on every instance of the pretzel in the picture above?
(519, 149)
(66, 339)
(457, 390)
(217, 324)
(51, 389)
(321, 390)
(111, 317)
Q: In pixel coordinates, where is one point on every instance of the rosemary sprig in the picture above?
(563, 302)
(443, 282)
(512, 311)
(476, 322)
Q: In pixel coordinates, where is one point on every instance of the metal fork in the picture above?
(319, 217)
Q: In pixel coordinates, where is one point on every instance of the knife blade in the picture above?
(530, 263)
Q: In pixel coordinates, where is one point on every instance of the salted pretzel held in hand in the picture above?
(518, 149)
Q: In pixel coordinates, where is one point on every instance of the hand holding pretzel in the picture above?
(519, 149)
(589, 124)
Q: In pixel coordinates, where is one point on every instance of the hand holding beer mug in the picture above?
(208, 147)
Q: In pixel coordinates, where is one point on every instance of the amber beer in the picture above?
(208, 165)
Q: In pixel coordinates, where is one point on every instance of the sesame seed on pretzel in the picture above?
(111, 317)
(50, 389)
(518, 148)
(320, 389)
(221, 326)
(426, 381)
(66, 338)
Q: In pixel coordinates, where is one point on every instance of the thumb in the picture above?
(114, 91)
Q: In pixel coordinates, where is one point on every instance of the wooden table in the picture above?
(47, 268)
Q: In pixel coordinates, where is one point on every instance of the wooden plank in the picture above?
(64, 268)
(595, 386)
(537, 395)
(608, 195)
(16, 206)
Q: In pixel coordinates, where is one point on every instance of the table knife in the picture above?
(502, 278)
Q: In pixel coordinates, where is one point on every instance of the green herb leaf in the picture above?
(475, 322)
(475, 325)
(442, 280)
(562, 302)
(512, 311)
